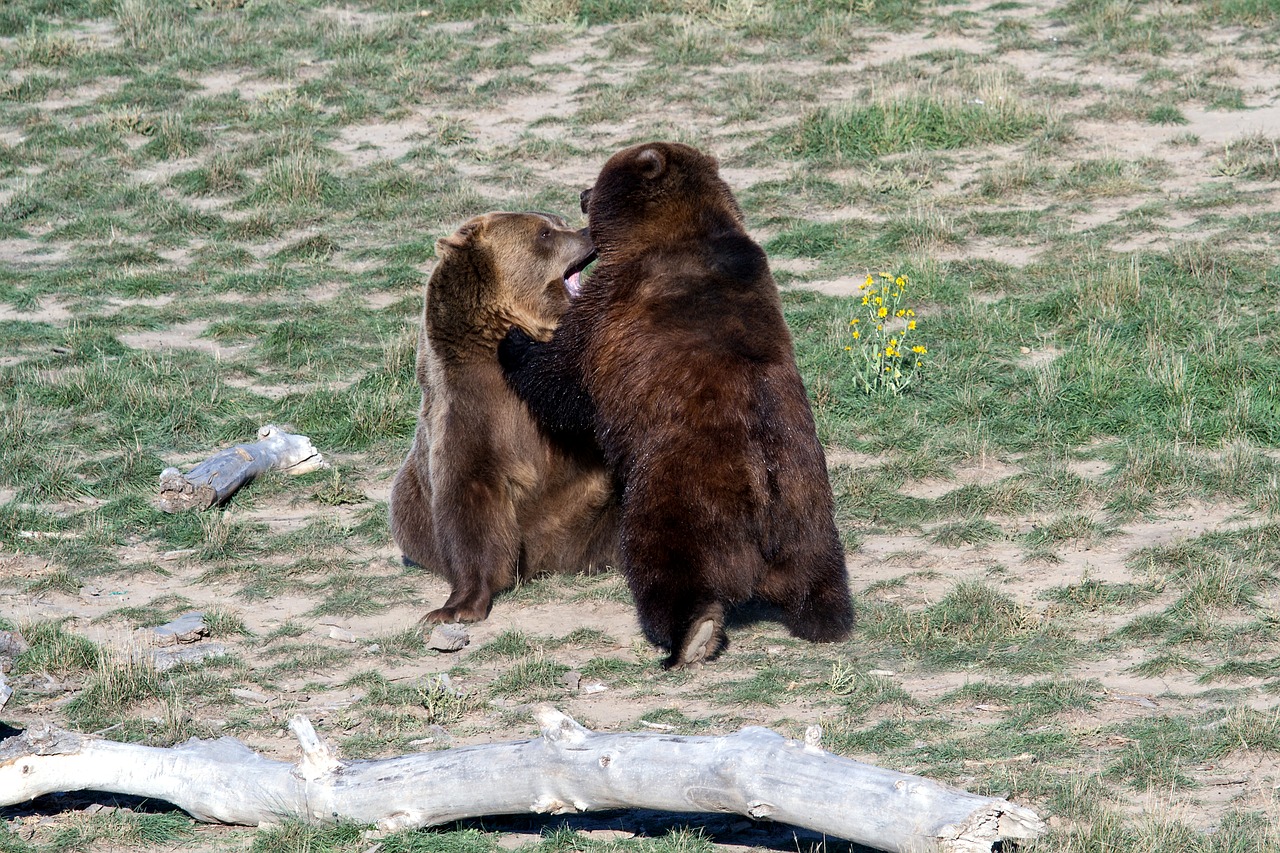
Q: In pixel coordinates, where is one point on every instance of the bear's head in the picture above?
(500, 269)
(655, 193)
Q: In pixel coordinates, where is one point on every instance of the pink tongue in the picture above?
(572, 284)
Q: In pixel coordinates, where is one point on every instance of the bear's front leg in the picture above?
(547, 378)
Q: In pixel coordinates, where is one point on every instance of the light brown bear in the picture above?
(483, 497)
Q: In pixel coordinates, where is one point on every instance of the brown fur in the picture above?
(688, 377)
(482, 497)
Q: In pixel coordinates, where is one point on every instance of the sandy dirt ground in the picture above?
(554, 608)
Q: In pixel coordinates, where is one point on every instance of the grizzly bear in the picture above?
(483, 497)
(676, 358)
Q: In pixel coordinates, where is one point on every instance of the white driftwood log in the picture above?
(755, 772)
(217, 478)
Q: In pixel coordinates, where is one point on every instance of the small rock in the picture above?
(249, 695)
(187, 628)
(571, 679)
(448, 637)
(594, 688)
(882, 673)
(12, 644)
(165, 659)
(342, 635)
(5, 691)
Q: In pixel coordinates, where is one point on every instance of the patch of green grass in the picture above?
(117, 828)
(530, 679)
(1034, 702)
(978, 531)
(294, 659)
(767, 687)
(860, 692)
(295, 836)
(1093, 595)
(117, 683)
(972, 624)
(55, 650)
(861, 133)
(508, 644)
(1166, 114)
(1254, 158)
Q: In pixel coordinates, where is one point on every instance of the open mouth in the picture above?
(573, 273)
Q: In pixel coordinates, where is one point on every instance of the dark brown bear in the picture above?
(676, 358)
(483, 497)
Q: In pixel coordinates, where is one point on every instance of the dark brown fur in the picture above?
(482, 497)
(688, 381)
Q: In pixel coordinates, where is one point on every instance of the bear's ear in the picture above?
(651, 162)
(463, 237)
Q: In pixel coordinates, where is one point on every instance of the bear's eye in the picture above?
(545, 235)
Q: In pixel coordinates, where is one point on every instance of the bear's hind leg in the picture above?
(704, 639)
(813, 591)
(677, 609)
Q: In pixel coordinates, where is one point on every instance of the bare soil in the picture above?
(552, 609)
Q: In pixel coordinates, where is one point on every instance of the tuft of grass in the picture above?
(55, 650)
(972, 623)
(530, 679)
(889, 127)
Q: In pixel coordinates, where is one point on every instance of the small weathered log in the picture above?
(217, 478)
(756, 773)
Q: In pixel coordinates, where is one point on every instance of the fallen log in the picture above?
(755, 772)
(216, 479)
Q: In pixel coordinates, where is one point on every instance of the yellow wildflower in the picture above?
(910, 313)
(911, 325)
(883, 312)
(855, 336)
(900, 313)
(919, 350)
(901, 281)
(848, 349)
